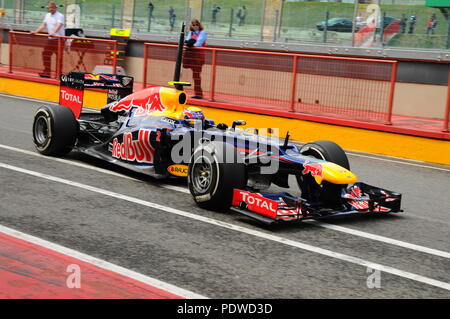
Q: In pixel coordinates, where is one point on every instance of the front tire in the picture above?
(330, 194)
(215, 170)
(54, 130)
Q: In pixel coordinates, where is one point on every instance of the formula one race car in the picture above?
(154, 132)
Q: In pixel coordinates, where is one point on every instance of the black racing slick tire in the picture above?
(330, 194)
(328, 151)
(215, 169)
(54, 130)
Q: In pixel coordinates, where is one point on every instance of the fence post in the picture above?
(383, 18)
(447, 107)
(325, 27)
(277, 12)
(144, 80)
(263, 14)
(391, 94)
(231, 23)
(447, 41)
(11, 42)
(59, 58)
(213, 74)
(113, 15)
(293, 83)
(115, 57)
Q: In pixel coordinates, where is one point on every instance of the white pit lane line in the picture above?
(346, 230)
(256, 233)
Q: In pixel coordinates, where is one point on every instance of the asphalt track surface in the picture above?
(113, 215)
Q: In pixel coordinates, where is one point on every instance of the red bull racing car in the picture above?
(155, 132)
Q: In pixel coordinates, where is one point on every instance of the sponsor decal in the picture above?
(153, 104)
(169, 120)
(202, 198)
(121, 106)
(256, 203)
(315, 169)
(108, 77)
(93, 77)
(72, 81)
(72, 98)
(126, 80)
(178, 170)
(139, 150)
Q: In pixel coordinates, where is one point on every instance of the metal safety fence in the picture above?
(337, 87)
(52, 56)
(298, 22)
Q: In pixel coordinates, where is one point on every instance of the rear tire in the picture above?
(331, 152)
(55, 130)
(211, 178)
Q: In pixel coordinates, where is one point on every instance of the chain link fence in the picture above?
(289, 21)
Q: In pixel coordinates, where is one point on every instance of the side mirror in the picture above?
(238, 123)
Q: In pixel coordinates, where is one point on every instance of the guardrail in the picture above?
(337, 87)
(50, 57)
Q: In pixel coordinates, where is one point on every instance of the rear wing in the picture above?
(72, 85)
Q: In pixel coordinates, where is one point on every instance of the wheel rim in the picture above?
(41, 130)
(202, 175)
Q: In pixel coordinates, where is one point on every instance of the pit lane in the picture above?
(219, 262)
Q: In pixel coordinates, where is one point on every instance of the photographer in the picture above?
(195, 58)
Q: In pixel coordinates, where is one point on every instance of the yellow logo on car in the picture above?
(178, 170)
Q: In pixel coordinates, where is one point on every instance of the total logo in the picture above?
(256, 203)
(139, 150)
(66, 96)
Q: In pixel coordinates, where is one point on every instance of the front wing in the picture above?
(360, 198)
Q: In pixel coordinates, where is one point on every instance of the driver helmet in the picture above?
(193, 113)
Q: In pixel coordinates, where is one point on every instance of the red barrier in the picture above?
(446, 127)
(38, 53)
(338, 87)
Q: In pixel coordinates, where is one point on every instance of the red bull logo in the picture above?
(121, 106)
(315, 169)
(139, 150)
(153, 104)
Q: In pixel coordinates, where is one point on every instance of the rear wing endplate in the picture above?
(72, 85)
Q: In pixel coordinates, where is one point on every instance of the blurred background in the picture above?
(368, 23)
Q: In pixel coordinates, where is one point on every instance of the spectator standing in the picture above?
(54, 22)
(172, 17)
(241, 14)
(431, 24)
(194, 58)
(412, 23)
(215, 10)
(150, 10)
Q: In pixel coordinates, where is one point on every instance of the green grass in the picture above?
(419, 41)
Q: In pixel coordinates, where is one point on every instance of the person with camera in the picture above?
(194, 57)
